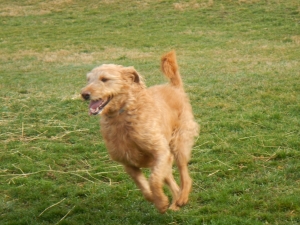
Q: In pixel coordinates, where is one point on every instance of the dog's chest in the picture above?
(122, 147)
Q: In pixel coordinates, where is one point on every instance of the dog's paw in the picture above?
(182, 200)
(162, 205)
(174, 207)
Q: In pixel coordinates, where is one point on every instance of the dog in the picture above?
(146, 127)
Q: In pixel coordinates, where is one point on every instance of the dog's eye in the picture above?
(103, 79)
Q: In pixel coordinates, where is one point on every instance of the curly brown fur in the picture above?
(146, 127)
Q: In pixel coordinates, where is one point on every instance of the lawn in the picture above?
(239, 60)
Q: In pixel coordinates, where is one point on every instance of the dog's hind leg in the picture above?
(182, 150)
(141, 181)
(185, 181)
(182, 143)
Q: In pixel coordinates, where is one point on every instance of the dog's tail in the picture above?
(170, 69)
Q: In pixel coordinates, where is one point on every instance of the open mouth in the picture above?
(97, 106)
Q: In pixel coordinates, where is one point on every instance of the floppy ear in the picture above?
(133, 74)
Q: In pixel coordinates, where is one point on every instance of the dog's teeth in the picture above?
(93, 110)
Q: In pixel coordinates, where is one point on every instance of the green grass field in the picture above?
(240, 62)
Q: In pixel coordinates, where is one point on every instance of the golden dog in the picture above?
(146, 127)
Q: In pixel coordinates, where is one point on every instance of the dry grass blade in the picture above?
(74, 173)
(213, 173)
(52, 206)
(65, 215)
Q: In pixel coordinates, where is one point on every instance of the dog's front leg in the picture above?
(141, 181)
(159, 172)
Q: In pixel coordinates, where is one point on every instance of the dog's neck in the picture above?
(116, 113)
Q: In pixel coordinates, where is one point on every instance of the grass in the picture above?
(240, 63)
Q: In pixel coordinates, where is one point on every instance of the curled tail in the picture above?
(170, 69)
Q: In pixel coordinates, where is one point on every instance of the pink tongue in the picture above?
(95, 104)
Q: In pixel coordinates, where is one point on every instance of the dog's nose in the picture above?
(86, 95)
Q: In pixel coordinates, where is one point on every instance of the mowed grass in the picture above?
(240, 63)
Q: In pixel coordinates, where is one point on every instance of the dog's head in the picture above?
(108, 87)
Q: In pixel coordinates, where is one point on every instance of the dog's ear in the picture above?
(133, 74)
